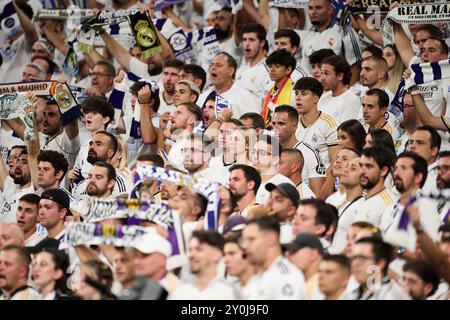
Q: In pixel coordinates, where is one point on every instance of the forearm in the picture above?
(148, 132)
(59, 43)
(402, 42)
(27, 26)
(434, 255)
(327, 187)
(372, 34)
(119, 52)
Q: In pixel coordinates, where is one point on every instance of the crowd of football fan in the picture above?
(326, 192)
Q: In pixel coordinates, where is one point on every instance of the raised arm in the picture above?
(264, 11)
(29, 30)
(424, 113)
(148, 132)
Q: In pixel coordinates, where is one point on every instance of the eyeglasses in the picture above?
(361, 258)
(100, 74)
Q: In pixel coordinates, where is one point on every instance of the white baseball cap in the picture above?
(152, 242)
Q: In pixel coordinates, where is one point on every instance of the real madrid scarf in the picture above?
(210, 190)
(18, 105)
(361, 6)
(59, 91)
(277, 97)
(427, 72)
(161, 4)
(289, 3)
(145, 34)
(414, 13)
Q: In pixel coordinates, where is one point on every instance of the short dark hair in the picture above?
(355, 131)
(173, 63)
(341, 260)
(291, 111)
(374, 50)
(383, 98)
(326, 214)
(197, 72)
(425, 270)
(382, 138)
(266, 223)
(256, 28)
(51, 64)
(110, 70)
(57, 160)
(444, 154)
(31, 198)
(257, 119)
(138, 85)
(283, 58)
(153, 157)
(114, 143)
(311, 84)
(319, 55)
(340, 65)
(380, 249)
(110, 170)
(433, 30)
(211, 238)
(293, 36)
(435, 138)
(420, 164)
(250, 173)
(100, 105)
(230, 60)
(381, 155)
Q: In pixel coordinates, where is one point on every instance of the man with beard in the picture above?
(54, 136)
(14, 185)
(170, 78)
(244, 183)
(196, 160)
(410, 175)
(205, 253)
(277, 277)
(376, 163)
(420, 279)
(253, 73)
(102, 147)
(443, 182)
(101, 180)
(225, 32)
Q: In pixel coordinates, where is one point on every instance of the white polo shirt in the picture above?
(341, 108)
(320, 135)
(372, 209)
(217, 289)
(346, 214)
(281, 281)
(254, 79)
(241, 100)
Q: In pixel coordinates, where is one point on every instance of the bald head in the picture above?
(10, 234)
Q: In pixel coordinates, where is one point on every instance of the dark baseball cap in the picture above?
(234, 223)
(58, 196)
(288, 190)
(305, 240)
